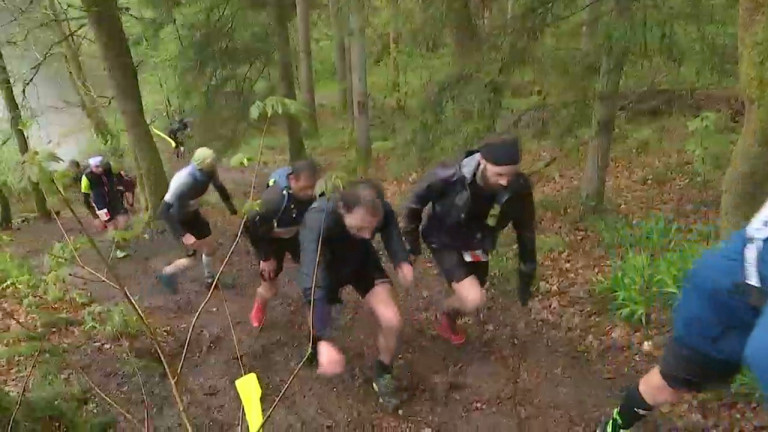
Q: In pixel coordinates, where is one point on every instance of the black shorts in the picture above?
(363, 277)
(196, 224)
(282, 246)
(453, 267)
(686, 369)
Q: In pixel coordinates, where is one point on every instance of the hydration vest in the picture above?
(279, 177)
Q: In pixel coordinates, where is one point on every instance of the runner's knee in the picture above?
(389, 318)
(385, 308)
(470, 292)
(209, 246)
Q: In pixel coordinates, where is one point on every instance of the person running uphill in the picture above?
(337, 234)
(180, 211)
(177, 132)
(472, 202)
(99, 186)
(720, 324)
(273, 228)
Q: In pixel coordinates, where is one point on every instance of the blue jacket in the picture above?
(711, 316)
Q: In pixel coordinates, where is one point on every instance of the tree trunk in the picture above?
(350, 96)
(394, 64)
(604, 117)
(306, 78)
(464, 30)
(339, 23)
(745, 186)
(6, 219)
(360, 87)
(296, 149)
(88, 102)
(14, 112)
(104, 18)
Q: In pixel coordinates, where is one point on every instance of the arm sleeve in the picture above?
(392, 237)
(261, 222)
(223, 193)
(523, 218)
(427, 190)
(312, 230)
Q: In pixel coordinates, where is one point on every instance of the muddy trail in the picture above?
(514, 372)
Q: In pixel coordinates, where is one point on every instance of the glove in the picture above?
(524, 292)
(231, 208)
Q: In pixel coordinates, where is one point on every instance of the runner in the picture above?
(126, 186)
(177, 132)
(103, 200)
(337, 235)
(273, 228)
(719, 326)
(180, 210)
(472, 202)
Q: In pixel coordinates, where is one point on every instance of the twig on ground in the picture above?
(147, 422)
(223, 265)
(24, 387)
(311, 330)
(149, 330)
(106, 398)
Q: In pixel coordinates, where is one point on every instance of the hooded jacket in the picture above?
(448, 190)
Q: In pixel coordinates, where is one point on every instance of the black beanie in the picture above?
(501, 151)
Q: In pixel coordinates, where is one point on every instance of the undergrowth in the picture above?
(54, 399)
(649, 260)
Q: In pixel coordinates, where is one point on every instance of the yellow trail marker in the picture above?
(164, 136)
(250, 394)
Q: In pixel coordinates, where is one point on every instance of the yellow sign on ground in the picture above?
(250, 394)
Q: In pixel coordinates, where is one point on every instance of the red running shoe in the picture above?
(258, 313)
(446, 327)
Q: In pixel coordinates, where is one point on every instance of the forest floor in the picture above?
(559, 364)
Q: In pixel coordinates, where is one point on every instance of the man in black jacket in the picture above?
(274, 226)
(337, 250)
(472, 202)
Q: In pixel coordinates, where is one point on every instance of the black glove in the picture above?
(524, 292)
(230, 207)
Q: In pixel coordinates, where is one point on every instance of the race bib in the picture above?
(475, 256)
(103, 215)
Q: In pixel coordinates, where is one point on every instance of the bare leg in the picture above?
(383, 305)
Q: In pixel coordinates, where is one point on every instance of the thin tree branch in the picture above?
(147, 420)
(24, 386)
(106, 398)
(46, 55)
(148, 329)
(224, 264)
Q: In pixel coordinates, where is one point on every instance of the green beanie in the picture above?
(204, 158)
